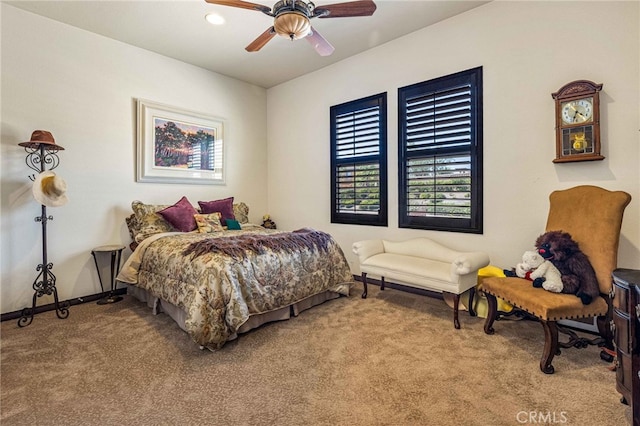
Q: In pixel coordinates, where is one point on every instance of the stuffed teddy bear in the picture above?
(530, 259)
(550, 275)
(578, 275)
(536, 268)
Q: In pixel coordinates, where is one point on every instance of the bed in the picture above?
(231, 278)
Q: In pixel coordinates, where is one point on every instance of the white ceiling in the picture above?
(177, 29)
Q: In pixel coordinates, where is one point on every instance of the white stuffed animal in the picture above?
(530, 261)
(542, 272)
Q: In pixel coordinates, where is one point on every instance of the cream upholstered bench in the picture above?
(421, 263)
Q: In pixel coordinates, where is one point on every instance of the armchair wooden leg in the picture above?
(550, 345)
(381, 283)
(472, 296)
(492, 313)
(364, 285)
(604, 329)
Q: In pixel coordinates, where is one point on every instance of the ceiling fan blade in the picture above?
(262, 39)
(242, 4)
(322, 46)
(341, 10)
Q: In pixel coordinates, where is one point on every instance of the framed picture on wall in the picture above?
(175, 145)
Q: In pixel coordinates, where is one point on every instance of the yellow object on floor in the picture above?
(480, 301)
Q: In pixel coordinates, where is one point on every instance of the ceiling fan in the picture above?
(291, 19)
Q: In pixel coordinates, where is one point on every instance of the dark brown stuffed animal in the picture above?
(578, 276)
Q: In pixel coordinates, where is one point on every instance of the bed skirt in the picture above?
(179, 316)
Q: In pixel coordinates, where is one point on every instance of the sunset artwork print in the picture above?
(180, 145)
(176, 145)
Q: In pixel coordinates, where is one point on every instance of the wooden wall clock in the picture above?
(578, 122)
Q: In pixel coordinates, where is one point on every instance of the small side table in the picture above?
(116, 255)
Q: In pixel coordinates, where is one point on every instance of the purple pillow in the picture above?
(181, 215)
(224, 206)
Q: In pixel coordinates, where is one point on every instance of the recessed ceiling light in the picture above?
(214, 18)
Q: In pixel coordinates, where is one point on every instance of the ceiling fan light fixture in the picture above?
(292, 25)
(214, 19)
(291, 19)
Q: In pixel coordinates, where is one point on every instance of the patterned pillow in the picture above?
(132, 226)
(180, 215)
(224, 206)
(148, 221)
(241, 212)
(208, 223)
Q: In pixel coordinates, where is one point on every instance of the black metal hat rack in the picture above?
(42, 155)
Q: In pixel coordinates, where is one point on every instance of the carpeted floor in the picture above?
(392, 359)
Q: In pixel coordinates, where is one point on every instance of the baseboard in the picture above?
(51, 306)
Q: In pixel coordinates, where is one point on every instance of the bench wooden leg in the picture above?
(364, 285)
(456, 303)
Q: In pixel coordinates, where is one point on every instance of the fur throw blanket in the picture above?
(238, 246)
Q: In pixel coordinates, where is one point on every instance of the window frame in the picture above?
(474, 223)
(381, 218)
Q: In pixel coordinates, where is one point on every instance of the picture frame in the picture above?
(176, 145)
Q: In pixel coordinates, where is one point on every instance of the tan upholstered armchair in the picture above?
(593, 217)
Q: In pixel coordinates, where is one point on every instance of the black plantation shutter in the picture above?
(358, 162)
(439, 151)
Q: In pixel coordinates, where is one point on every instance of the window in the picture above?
(440, 153)
(359, 161)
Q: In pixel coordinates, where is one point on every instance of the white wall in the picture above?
(81, 87)
(528, 50)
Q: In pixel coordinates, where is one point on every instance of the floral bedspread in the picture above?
(220, 292)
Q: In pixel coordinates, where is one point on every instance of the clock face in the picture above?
(577, 111)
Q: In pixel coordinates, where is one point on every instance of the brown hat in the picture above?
(41, 137)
